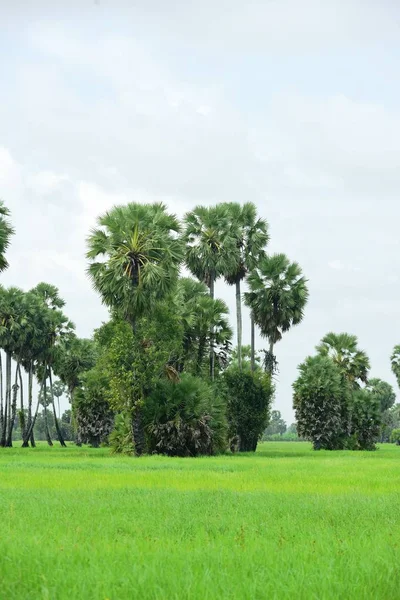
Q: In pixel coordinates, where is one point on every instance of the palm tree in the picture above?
(135, 256)
(200, 315)
(343, 349)
(251, 237)
(277, 297)
(6, 231)
(395, 363)
(209, 249)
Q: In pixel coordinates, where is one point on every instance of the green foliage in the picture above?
(277, 425)
(6, 231)
(185, 418)
(248, 397)
(395, 437)
(94, 418)
(395, 363)
(120, 439)
(277, 297)
(343, 349)
(366, 418)
(318, 399)
(383, 392)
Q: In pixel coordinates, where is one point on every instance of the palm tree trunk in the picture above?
(29, 432)
(58, 429)
(253, 344)
(30, 399)
(212, 356)
(271, 358)
(239, 323)
(13, 411)
(7, 405)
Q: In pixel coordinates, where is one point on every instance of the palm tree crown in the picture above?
(344, 351)
(135, 255)
(277, 297)
(6, 231)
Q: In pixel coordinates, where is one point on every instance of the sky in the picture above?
(294, 106)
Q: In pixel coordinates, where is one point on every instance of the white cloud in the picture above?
(46, 182)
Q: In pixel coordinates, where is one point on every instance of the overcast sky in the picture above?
(292, 105)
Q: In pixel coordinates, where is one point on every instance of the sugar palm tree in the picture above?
(343, 349)
(134, 259)
(395, 363)
(277, 297)
(209, 249)
(6, 231)
(251, 237)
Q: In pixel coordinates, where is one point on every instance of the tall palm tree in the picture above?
(134, 259)
(209, 249)
(277, 297)
(6, 231)
(251, 237)
(395, 363)
(343, 349)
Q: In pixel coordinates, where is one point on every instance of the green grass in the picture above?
(287, 522)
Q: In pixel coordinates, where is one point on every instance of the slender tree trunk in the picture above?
(271, 358)
(239, 323)
(30, 399)
(46, 424)
(212, 355)
(58, 429)
(253, 344)
(13, 411)
(7, 405)
(29, 432)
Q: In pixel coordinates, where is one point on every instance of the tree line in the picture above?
(161, 375)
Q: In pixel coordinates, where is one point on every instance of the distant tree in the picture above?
(366, 418)
(317, 401)
(395, 362)
(292, 428)
(250, 236)
(135, 255)
(277, 298)
(209, 250)
(343, 349)
(248, 396)
(395, 437)
(383, 392)
(276, 424)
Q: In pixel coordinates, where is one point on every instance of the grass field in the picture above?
(287, 522)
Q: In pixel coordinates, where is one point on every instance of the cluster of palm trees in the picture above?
(136, 254)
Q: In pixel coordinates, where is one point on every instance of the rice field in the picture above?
(286, 522)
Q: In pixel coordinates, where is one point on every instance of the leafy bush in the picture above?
(94, 418)
(185, 418)
(248, 397)
(120, 439)
(395, 437)
(366, 418)
(318, 400)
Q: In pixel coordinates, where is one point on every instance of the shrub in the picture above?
(318, 402)
(120, 439)
(366, 418)
(185, 418)
(248, 397)
(94, 418)
(395, 437)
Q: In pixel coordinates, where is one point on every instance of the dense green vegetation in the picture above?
(284, 522)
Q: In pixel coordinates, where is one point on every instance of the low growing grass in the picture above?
(287, 522)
